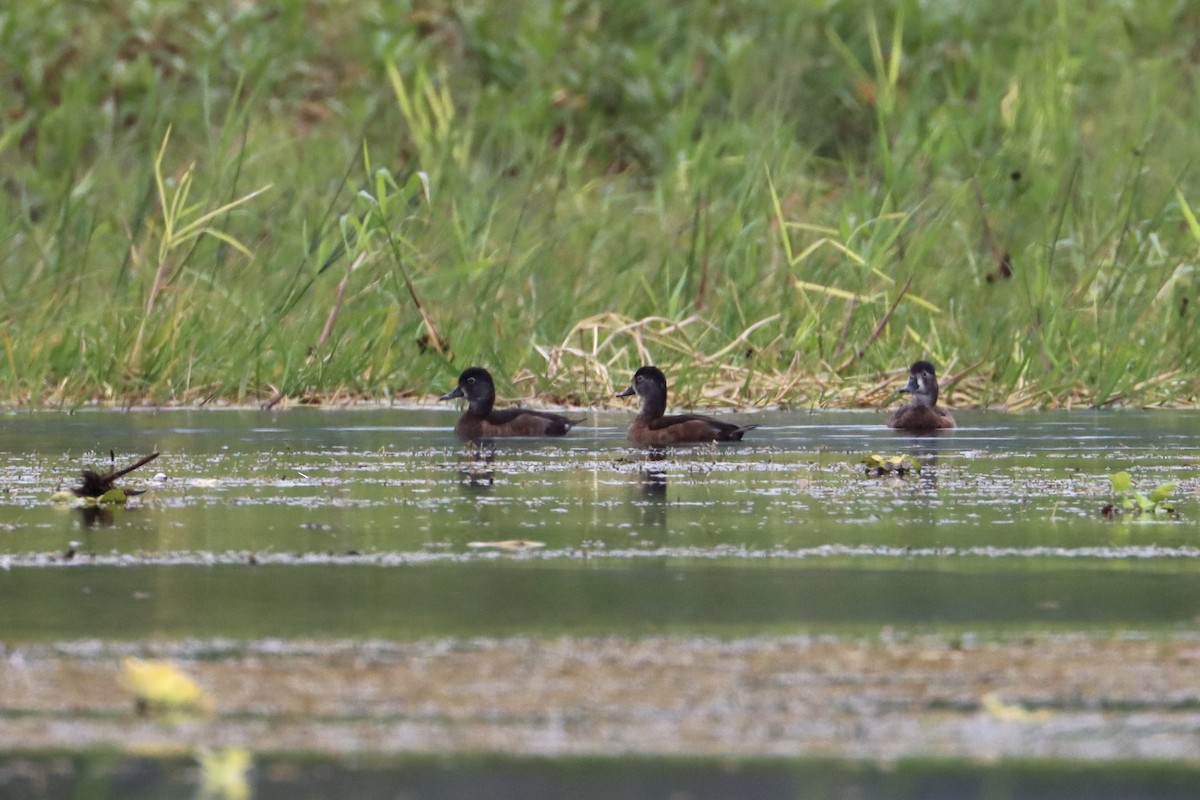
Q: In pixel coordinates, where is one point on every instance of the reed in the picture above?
(777, 203)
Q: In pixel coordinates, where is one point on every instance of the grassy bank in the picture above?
(777, 204)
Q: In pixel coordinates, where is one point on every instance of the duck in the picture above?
(482, 421)
(923, 413)
(651, 428)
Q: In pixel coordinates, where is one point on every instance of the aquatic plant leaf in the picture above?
(225, 773)
(1162, 492)
(894, 463)
(114, 496)
(1144, 503)
(1009, 712)
(1121, 482)
(507, 544)
(162, 686)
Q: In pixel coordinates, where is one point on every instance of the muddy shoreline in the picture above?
(880, 700)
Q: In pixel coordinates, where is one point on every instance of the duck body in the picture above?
(923, 414)
(482, 421)
(652, 427)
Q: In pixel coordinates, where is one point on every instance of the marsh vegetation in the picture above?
(778, 204)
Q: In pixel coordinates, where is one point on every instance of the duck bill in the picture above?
(452, 394)
(911, 386)
(627, 393)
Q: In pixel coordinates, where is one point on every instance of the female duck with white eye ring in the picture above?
(923, 414)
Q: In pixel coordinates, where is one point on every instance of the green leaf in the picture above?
(1121, 482)
(894, 463)
(114, 496)
(1162, 492)
(1144, 503)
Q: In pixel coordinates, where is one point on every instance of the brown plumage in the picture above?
(652, 428)
(482, 421)
(923, 414)
(95, 484)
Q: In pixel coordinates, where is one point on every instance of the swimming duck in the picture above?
(481, 421)
(650, 427)
(922, 414)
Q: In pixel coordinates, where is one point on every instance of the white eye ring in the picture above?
(470, 380)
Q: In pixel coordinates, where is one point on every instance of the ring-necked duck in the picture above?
(650, 427)
(922, 414)
(481, 421)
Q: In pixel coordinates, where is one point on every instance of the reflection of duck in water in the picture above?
(923, 413)
(653, 482)
(651, 503)
(651, 427)
(478, 470)
(482, 421)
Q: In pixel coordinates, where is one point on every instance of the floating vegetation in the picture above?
(224, 773)
(878, 465)
(509, 545)
(1010, 712)
(1131, 501)
(161, 687)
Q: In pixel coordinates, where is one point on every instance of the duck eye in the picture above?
(470, 380)
(637, 378)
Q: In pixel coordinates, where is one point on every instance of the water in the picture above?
(296, 523)
(307, 565)
(642, 779)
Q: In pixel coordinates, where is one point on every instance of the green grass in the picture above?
(778, 203)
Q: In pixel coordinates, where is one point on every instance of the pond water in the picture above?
(594, 779)
(366, 522)
(301, 547)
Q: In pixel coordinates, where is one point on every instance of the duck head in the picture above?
(922, 383)
(650, 384)
(476, 385)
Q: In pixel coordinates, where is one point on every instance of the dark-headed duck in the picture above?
(481, 421)
(650, 427)
(922, 414)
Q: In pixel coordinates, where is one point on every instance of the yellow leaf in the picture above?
(162, 686)
(998, 709)
(224, 773)
(508, 544)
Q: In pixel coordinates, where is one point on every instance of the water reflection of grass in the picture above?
(744, 193)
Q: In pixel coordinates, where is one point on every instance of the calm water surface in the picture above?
(595, 779)
(366, 523)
